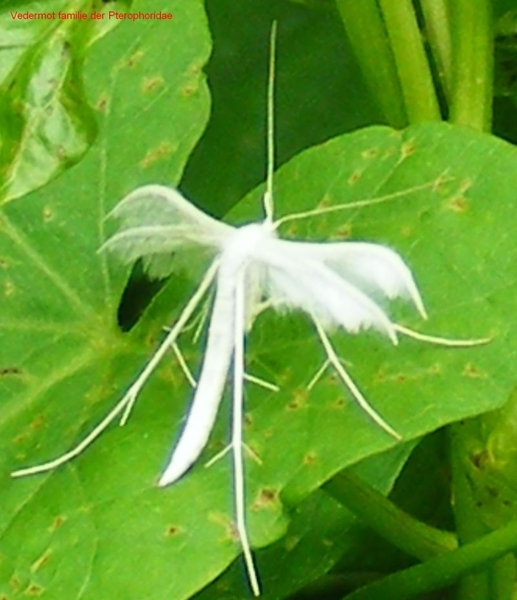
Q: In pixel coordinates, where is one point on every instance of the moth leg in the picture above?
(439, 341)
(222, 453)
(318, 374)
(236, 441)
(193, 383)
(261, 382)
(202, 320)
(85, 442)
(349, 382)
(129, 398)
(190, 307)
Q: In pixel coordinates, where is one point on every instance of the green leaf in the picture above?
(45, 119)
(320, 531)
(63, 359)
(64, 362)
(69, 353)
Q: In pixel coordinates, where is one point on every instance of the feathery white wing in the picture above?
(371, 267)
(210, 386)
(296, 280)
(157, 221)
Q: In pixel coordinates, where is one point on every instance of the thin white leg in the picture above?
(127, 402)
(349, 382)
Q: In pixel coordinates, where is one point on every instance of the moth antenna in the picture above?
(440, 341)
(237, 442)
(129, 399)
(269, 205)
(349, 382)
(183, 365)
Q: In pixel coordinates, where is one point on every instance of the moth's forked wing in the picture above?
(297, 280)
(371, 267)
(157, 222)
(211, 382)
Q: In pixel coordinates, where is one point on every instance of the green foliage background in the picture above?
(88, 112)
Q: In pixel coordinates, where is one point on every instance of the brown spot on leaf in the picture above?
(480, 459)
(325, 201)
(34, 590)
(188, 90)
(408, 148)
(471, 371)
(344, 232)
(228, 526)
(458, 204)
(309, 458)
(266, 498)
(135, 58)
(61, 153)
(268, 433)
(370, 153)
(151, 84)
(65, 50)
(339, 403)
(334, 378)
(14, 582)
(47, 214)
(41, 562)
(57, 523)
(291, 231)
(196, 69)
(164, 150)
(3, 263)
(492, 491)
(172, 530)
(401, 378)
(102, 103)
(4, 371)
(354, 177)
(37, 423)
(298, 399)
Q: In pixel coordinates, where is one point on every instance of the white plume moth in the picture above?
(251, 268)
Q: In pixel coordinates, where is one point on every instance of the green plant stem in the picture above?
(437, 26)
(502, 578)
(402, 530)
(367, 34)
(412, 65)
(442, 571)
(472, 68)
(466, 515)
